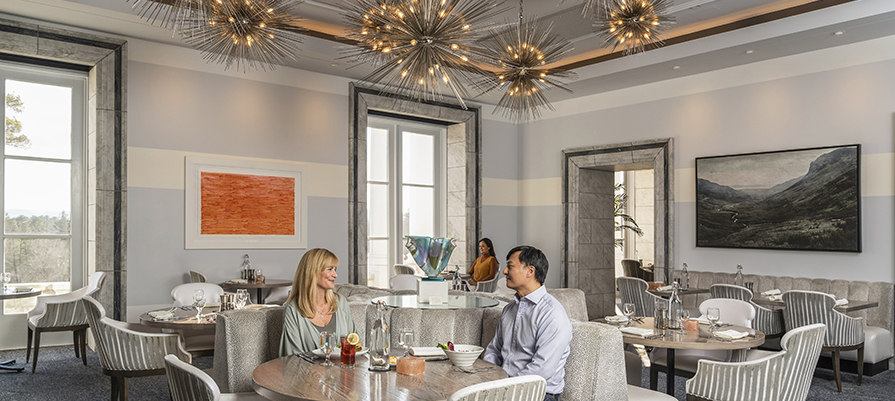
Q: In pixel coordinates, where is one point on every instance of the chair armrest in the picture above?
(59, 313)
(126, 349)
(136, 327)
(845, 329)
(736, 381)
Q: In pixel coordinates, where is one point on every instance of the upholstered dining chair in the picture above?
(404, 269)
(403, 282)
(767, 321)
(189, 383)
(844, 333)
(197, 277)
(487, 285)
(781, 376)
(733, 311)
(520, 388)
(129, 349)
(62, 312)
(634, 290)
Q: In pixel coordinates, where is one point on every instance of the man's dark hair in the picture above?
(530, 255)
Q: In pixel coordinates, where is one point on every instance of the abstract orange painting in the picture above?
(242, 204)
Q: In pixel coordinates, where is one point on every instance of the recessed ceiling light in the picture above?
(837, 33)
(334, 65)
(749, 52)
(677, 67)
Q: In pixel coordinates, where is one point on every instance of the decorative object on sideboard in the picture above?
(804, 199)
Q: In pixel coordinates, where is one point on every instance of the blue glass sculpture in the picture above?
(430, 254)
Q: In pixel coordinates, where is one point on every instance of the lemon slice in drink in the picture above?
(353, 339)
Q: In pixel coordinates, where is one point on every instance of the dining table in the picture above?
(689, 291)
(291, 378)
(851, 306)
(183, 318)
(16, 293)
(453, 302)
(258, 287)
(694, 339)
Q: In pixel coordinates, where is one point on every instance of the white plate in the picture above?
(338, 354)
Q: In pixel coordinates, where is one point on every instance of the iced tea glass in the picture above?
(348, 352)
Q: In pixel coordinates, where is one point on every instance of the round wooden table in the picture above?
(184, 319)
(10, 293)
(291, 378)
(691, 340)
(268, 283)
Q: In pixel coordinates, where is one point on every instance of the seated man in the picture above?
(534, 331)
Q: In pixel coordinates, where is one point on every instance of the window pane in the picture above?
(40, 263)
(419, 211)
(418, 158)
(377, 210)
(377, 154)
(38, 120)
(377, 263)
(37, 209)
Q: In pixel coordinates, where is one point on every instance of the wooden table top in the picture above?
(184, 319)
(11, 294)
(268, 283)
(453, 302)
(691, 291)
(851, 306)
(692, 340)
(291, 378)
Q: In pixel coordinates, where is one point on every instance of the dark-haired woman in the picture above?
(485, 266)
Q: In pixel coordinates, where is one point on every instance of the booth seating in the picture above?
(879, 322)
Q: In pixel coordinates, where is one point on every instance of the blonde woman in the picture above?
(313, 306)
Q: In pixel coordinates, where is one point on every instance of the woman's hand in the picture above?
(471, 282)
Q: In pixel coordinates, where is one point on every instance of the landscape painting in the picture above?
(805, 199)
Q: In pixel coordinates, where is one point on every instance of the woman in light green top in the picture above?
(313, 306)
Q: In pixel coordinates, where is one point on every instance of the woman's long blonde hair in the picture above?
(304, 286)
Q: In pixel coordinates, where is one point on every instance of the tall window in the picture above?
(405, 191)
(43, 182)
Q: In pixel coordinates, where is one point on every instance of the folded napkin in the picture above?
(775, 297)
(730, 334)
(704, 320)
(665, 288)
(237, 281)
(616, 319)
(161, 314)
(426, 351)
(771, 292)
(22, 289)
(637, 331)
(842, 301)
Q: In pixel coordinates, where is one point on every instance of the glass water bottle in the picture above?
(378, 341)
(738, 279)
(685, 278)
(674, 308)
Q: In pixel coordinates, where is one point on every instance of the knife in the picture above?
(307, 356)
(653, 337)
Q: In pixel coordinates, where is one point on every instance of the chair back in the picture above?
(65, 310)
(730, 291)
(197, 277)
(634, 291)
(809, 307)
(188, 383)
(488, 285)
(183, 294)
(631, 268)
(768, 321)
(595, 369)
(520, 388)
(403, 282)
(404, 269)
(573, 301)
(733, 311)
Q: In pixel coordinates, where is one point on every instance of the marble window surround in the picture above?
(464, 171)
(105, 59)
(595, 279)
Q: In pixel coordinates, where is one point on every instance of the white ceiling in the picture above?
(857, 20)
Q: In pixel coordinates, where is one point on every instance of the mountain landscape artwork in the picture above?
(805, 199)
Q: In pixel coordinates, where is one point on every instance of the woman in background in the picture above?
(485, 266)
(313, 306)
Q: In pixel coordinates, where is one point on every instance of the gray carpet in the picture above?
(60, 376)
(823, 387)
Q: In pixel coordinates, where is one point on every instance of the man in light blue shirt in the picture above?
(534, 331)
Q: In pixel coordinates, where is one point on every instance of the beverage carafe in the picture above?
(378, 341)
(674, 308)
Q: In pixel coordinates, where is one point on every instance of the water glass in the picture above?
(327, 343)
(242, 296)
(628, 310)
(685, 317)
(405, 340)
(199, 303)
(714, 315)
(7, 277)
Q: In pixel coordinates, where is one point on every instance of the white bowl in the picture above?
(464, 355)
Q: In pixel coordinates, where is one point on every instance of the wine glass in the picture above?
(7, 277)
(685, 317)
(628, 310)
(242, 296)
(199, 303)
(713, 314)
(405, 340)
(327, 343)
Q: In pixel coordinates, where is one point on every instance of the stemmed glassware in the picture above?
(405, 340)
(714, 315)
(7, 277)
(327, 343)
(629, 312)
(685, 317)
(242, 296)
(199, 303)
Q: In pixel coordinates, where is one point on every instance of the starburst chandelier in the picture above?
(171, 14)
(520, 55)
(633, 24)
(419, 46)
(247, 33)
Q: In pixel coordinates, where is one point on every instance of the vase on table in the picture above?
(432, 256)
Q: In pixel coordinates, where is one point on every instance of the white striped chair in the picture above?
(767, 321)
(521, 388)
(62, 313)
(782, 376)
(844, 333)
(129, 349)
(634, 290)
(188, 383)
(197, 277)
